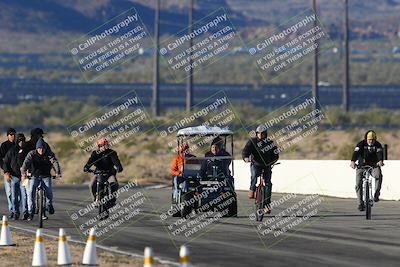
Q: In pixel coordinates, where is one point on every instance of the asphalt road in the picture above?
(301, 231)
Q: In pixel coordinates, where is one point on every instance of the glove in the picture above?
(246, 159)
(85, 169)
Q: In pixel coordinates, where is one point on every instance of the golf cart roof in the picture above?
(204, 130)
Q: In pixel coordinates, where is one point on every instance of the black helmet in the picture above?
(261, 129)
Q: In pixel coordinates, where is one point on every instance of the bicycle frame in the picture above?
(367, 191)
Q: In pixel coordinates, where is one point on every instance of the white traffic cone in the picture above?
(5, 236)
(64, 254)
(148, 257)
(39, 252)
(184, 257)
(89, 256)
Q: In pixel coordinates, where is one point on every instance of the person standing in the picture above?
(12, 164)
(4, 147)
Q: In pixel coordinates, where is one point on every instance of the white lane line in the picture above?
(105, 248)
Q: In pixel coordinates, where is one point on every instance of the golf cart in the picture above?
(201, 190)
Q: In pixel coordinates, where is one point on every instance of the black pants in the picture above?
(112, 180)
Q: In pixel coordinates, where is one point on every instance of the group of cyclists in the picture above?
(27, 163)
(261, 152)
(24, 162)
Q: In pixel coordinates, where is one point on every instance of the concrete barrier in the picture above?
(324, 177)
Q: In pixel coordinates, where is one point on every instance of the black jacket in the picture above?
(367, 155)
(263, 152)
(14, 159)
(40, 166)
(4, 147)
(207, 167)
(105, 161)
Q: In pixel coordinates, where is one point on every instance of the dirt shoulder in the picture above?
(21, 254)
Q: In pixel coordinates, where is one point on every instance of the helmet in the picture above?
(102, 142)
(261, 129)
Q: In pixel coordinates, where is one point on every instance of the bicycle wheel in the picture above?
(260, 195)
(40, 197)
(367, 202)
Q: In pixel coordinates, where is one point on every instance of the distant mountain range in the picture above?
(368, 18)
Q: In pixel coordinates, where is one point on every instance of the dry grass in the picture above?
(146, 160)
(21, 254)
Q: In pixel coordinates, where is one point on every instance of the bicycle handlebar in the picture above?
(98, 171)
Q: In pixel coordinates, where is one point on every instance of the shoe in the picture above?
(250, 194)
(11, 215)
(25, 217)
(51, 209)
(376, 199)
(361, 207)
(44, 217)
(16, 217)
(30, 217)
(267, 210)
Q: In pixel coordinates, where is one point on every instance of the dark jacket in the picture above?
(105, 161)
(367, 155)
(40, 166)
(14, 159)
(207, 167)
(263, 152)
(4, 147)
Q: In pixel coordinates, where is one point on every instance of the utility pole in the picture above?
(155, 105)
(189, 84)
(315, 90)
(346, 78)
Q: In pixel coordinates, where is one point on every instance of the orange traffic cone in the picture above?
(184, 257)
(5, 236)
(39, 252)
(148, 257)
(89, 256)
(64, 254)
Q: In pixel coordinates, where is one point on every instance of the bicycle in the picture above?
(41, 200)
(103, 192)
(259, 198)
(367, 190)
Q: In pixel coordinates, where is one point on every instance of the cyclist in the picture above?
(5, 146)
(106, 160)
(12, 164)
(177, 166)
(40, 164)
(263, 154)
(368, 152)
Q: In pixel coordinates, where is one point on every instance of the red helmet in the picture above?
(102, 142)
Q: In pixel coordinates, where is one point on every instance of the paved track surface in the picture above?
(336, 234)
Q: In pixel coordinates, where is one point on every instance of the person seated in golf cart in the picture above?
(212, 166)
(223, 153)
(177, 166)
